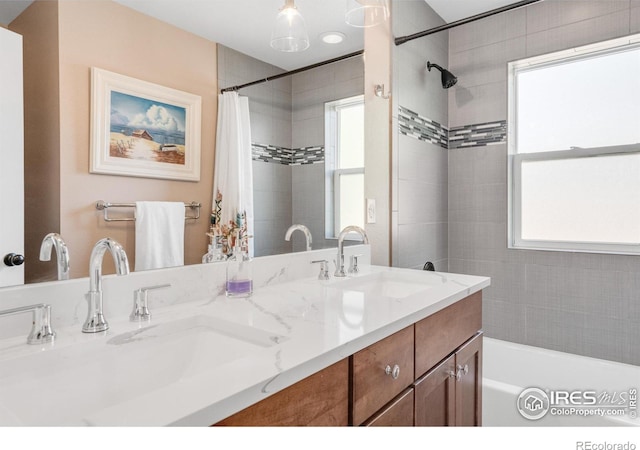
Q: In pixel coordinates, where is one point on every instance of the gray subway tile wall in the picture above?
(419, 154)
(272, 207)
(497, 28)
(464, 100)
(485, 64)
(579, 33)
(309, 204)
(574, 302)
(562, 13)
(634, 17)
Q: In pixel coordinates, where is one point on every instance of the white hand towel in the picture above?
(159, 235)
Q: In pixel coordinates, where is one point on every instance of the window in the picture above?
(574, 149)
(344, 164)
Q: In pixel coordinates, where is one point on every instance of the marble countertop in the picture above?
(200, 361)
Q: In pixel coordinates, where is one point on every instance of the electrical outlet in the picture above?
(371, 210)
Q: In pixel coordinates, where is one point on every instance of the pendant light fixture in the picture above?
(366, 13)
(289, 32)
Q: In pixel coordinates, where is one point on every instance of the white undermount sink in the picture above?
(119, 368)
(391, 284)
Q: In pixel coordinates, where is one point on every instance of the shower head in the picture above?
(448, 79)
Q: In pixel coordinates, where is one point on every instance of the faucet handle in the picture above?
(353, 267)
(41, 332)
(141, 302)
(324, 269)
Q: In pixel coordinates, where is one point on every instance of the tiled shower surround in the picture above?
(419, 185)
(580, 303)
(574, 302)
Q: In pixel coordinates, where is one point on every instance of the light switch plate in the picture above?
(371, 210)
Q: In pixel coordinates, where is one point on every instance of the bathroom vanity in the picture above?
(427, 374)
(386, 346)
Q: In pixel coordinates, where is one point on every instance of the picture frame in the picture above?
(142, 129)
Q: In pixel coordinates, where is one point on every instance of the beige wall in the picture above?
(118, 39)
(38, 25)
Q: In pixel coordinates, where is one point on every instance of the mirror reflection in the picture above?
(298, 125)
(65, 39)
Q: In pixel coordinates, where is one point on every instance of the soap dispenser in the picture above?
(239, 265)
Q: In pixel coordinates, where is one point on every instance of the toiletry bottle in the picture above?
(214, 250)
(208, 257)
(239, 272)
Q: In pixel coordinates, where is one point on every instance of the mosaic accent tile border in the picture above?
(307, 155)
(287, 156)
(478, 135)
(419, 127)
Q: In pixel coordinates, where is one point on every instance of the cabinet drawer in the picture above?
(372, 386)
(398, 414)
(440, 333)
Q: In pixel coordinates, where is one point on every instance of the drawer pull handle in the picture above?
(395, 372)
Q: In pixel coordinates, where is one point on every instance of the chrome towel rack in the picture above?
(103, 206)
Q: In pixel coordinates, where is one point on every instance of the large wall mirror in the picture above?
(287, 114)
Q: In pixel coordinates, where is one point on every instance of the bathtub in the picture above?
(509, 369)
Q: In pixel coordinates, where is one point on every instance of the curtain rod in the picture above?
(403, 39)
(293, 72)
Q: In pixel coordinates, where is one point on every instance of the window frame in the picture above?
(516, 160)
(332, 173)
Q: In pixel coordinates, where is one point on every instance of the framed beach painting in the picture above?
(141, 129)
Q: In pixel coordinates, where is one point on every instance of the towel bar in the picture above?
(103, 206)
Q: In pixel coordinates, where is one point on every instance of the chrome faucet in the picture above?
(305, 230)
(343, 234)
(62, 252)
(95, 319)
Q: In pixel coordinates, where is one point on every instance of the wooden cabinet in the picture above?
(399, 413)
(428, 374)
(379, 373)
(447, 370)
(469, 386)
(450, 394)
(435, 396)
(319, 400)
(440, 334)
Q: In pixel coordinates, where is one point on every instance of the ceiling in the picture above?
(244, 25)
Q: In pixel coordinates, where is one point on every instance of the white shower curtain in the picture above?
(233, 174)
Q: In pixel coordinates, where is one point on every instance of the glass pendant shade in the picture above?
(366, 13)
(289, 32)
